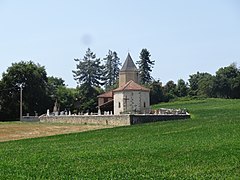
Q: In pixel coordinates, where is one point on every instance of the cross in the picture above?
(125, 101)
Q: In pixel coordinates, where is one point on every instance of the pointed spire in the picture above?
(129, 64)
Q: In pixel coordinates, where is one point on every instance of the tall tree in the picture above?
(182, 89)
(111, 70)
(225, 82)
(89, 70)
(145, 66)
(170, 90)
(33, 77)
(199, 85)
(156, 92)
(89, 75)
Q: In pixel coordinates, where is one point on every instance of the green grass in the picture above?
(207, 146)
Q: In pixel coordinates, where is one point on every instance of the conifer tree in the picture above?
(111, 70)
(89, 70)
(89, 75)
(145, 66)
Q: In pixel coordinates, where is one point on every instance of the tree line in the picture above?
(95, 76)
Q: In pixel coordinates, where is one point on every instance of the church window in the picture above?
(144, 104)
(119, 105)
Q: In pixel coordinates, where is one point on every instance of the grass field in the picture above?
(204, 147)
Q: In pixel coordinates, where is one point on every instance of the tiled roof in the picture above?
(106, 94)
(128, 64)
(131, 86)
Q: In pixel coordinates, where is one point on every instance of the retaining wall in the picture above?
(114, 120)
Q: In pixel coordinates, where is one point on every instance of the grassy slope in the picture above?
(207, 146)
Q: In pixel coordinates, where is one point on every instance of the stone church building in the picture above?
(129, 97)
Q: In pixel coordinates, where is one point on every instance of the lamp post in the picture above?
(21, 102)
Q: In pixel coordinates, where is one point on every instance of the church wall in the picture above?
(118, 98)
(131, 102)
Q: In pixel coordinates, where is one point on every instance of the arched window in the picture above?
(144, 104)
(119, 105)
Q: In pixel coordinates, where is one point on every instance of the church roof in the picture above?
(129, 64)
(131, 86)
(106, 94)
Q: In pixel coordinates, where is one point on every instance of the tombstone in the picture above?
(69, 113)
(48, 113)
(99, 111)
(110, 112)
(27, 114)
(62, 113)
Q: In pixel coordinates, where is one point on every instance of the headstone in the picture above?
(48, 113)
(69, 113)
(99, 111)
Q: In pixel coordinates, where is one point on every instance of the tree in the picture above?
(145, 66)
(156, 92)
(89, 70)
(182, 89)
(89, 75)
(206, 86)
(66, 98)
(226, 81)
(33, 77)
(170, 90)
(87, 98)
(55, 86)
(199, 85)
(111, 69)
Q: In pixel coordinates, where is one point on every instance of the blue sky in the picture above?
(183, 37)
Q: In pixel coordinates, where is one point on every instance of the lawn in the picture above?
(207, 146)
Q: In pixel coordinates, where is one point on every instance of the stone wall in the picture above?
(114, 120)
(138, 119)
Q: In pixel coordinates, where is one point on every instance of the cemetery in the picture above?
(126, 105)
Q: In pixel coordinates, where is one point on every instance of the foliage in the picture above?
(204, 147)
(33, 77)
(53, 84)
(227, 82)
(87, 98)
(89, 75)
(111, 70)
(89, 70)
(145, 66)
(182, 89)
(156, 92)
(66, 98)
(170, 90)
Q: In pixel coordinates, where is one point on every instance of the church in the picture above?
(129, 97)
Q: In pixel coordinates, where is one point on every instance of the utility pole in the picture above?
(21, 102)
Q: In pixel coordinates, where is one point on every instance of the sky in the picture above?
(183, 37)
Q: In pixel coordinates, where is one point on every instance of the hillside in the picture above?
(205, 146)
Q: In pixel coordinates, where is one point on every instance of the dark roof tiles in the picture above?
(128, 64)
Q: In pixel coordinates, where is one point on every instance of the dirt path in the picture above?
(21, 130)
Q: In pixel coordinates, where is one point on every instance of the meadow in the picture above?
(207, 146)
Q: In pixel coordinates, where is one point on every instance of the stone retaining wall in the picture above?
(138, 119)
(114, 120)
